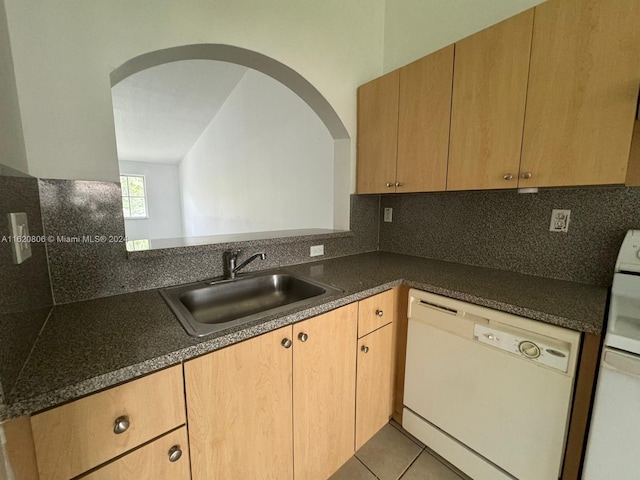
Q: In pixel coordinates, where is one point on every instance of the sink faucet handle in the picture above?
(229, 261)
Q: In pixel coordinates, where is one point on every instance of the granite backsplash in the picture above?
(86, 270)
(510, 231)
(25, 293)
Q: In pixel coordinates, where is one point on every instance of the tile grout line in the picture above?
(365, 466)
(411, 464)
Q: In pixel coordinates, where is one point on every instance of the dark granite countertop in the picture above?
(95, 344)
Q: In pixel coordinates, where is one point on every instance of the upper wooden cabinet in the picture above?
(403, 127)
(633, 173)
(423, 123)
(378, 134)
(585, 73)
(489, 96)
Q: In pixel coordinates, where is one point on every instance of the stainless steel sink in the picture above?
(208, 307)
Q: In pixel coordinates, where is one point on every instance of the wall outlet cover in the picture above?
(19, 229)
(316, 250)
(560, 220)
(388, 214)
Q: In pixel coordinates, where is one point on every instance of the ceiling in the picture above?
(160, 112)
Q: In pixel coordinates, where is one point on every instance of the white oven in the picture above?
(614, 435)
(488, 391)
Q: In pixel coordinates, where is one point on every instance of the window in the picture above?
(134, 196)
(137, 245)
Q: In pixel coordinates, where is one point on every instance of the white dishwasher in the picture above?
(488, 391)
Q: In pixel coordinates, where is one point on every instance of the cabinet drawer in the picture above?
(80, 435)
(151, 461)
(376, 311)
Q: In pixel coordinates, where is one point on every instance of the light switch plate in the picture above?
(19, 231)
(316, 250)
(388, 214)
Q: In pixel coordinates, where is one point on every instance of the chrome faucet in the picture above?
(230, 259)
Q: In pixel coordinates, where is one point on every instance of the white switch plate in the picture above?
(388, 214)
(19, 230)
(316, 250)
(560, 220)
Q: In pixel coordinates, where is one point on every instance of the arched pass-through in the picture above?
(248, 58)
(283, 74)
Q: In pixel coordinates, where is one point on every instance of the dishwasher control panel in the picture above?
(520, 345)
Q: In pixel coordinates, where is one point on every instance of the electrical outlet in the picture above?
(316, 250)
(19, 228)
(560, 220)
(388, 214)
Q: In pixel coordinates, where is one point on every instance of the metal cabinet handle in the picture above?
(175, 453)
(508, 176)
(379, 313)
(303, 337)
(389, 184)
(121, 425)
(286, 343)
(398, 184)
(526, 175)
(364, 348)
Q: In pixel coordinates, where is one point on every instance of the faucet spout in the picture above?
(230, 259)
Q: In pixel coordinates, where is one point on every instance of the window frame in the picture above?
(144, 188)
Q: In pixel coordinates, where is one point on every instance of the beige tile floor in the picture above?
(393, 454)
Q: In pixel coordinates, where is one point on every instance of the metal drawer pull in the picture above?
(286, 343)
(508, 176)
(175, 453)
(365, 349)
(526, 175)
(389, 184)
(398, 184)
(379, 313)
(303, 337)
(121, 425)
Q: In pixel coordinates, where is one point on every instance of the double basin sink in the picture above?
(207, 307)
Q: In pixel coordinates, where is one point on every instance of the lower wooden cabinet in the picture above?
(80, 435)
(292, 403)
(166, 458)
(324, 383)
(278, 405)
(374, 383)
(240, 410)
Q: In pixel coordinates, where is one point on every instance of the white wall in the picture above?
(265, 162)
(163, 201)
(11, 140)
(64, 51)
(415, 28)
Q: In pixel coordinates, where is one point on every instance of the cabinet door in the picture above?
(324, 392)
(585, 71)
(373, 383)
(378, 134)
(423, 123)
(239, 410)
(151, 461)
(489, 95)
